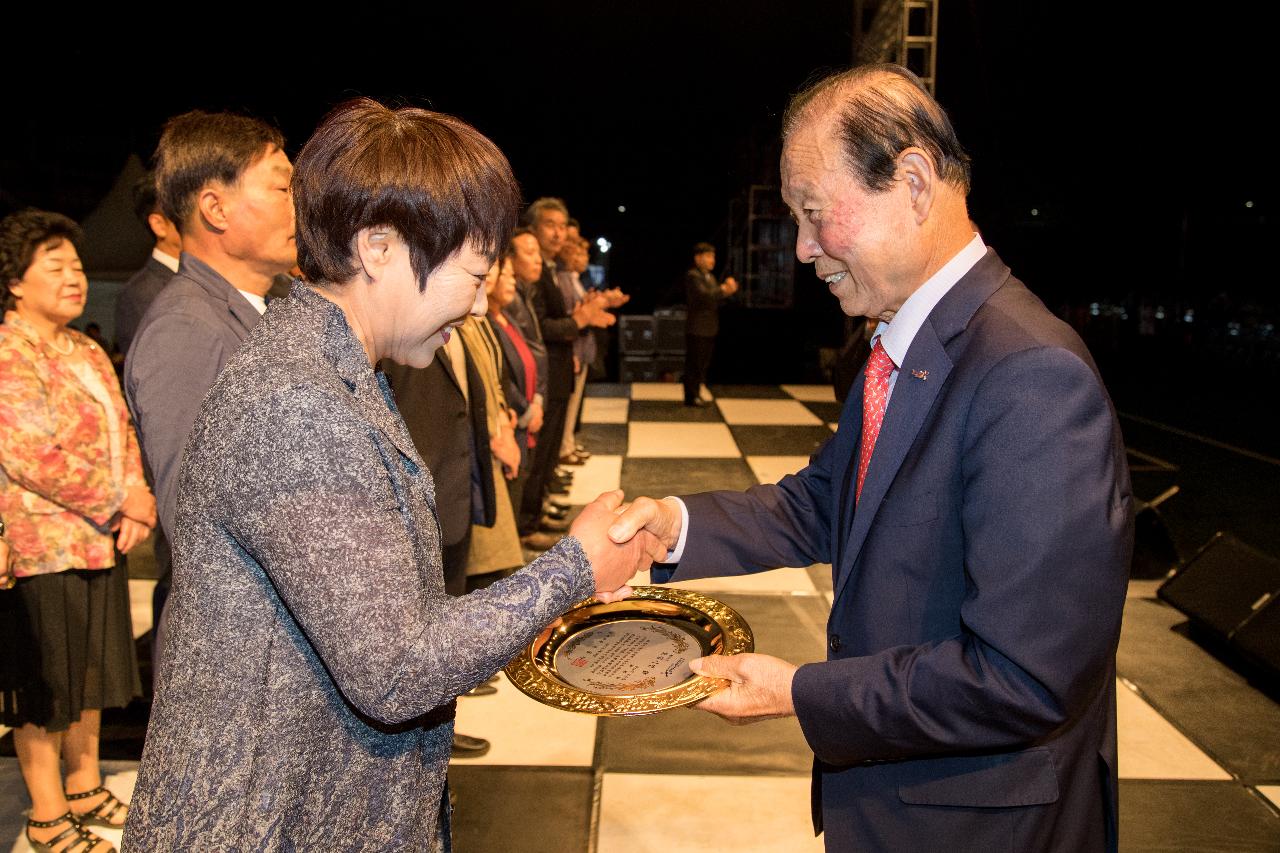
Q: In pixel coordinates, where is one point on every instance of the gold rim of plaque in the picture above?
(718, 628)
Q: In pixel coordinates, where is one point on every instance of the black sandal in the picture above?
(77, 839)
(103, 813)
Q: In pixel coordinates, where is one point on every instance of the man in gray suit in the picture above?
(143, 287)
(224, 181)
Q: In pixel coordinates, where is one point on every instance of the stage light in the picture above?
(1248, 204)
(1035, 211)
(622, 208)
(603, 244)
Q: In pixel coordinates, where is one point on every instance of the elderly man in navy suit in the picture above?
(974, 505)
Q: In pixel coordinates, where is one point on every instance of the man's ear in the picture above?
(210, 204)
(374, 249)
(916, 168)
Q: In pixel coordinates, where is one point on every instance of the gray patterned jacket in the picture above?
(306, 694)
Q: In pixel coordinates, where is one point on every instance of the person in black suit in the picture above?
(548, 219)
(974, 505)
(703, 295)
(141, 289)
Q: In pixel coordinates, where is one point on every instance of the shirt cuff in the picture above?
(674, 555)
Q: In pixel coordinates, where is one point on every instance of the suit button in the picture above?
(834, 642)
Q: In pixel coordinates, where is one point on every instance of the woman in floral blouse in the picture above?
(72, 493)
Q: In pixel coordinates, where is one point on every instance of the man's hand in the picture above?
(729, 286)
(615, 298)
(660, 518)
(759, 687)
(613, 564)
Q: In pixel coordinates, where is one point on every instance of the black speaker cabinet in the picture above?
(635, 334)
(1224, 586)
(1258, 639)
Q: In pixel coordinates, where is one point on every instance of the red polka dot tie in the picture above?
(875, 397)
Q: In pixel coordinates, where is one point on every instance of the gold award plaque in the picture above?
(631, 657)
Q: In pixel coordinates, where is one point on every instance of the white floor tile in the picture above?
(140, 605)
(605, 410)
(811, 393)
(1151, 748)
(685, 441)
(766, 413)
(1271, 792)
(671, 391)
(778, 580)
(771, 469)
(525, 732)
(598, 474)
(738, 813)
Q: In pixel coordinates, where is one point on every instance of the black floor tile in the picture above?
(664, 410)
(658, 478)
(1206, 817)
(503, 809)
(1236, 724)
(780, 440)
(607, 389)
(749, 392)
(694, 742)
(829, 412)
(604, 439)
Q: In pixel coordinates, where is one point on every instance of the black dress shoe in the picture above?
(552, 511)
(553, 525)
(559, 503)
(465, 746)
(697, 404)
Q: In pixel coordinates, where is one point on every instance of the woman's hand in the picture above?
(140, 506)
(506, 451)
(131, 533)
(613, 563)
(7, 579)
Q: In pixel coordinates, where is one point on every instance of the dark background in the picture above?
(1145, 154)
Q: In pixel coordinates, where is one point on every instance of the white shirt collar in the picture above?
(259, 303)
(163, 257)
(897, 335)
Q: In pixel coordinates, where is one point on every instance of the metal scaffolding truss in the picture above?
(901, 31)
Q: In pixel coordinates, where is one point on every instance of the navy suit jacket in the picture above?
(968, 698)
(136, 297)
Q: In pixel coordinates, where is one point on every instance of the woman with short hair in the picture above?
(306, 698)
(73, 497)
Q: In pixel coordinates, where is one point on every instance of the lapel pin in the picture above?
(920, 374)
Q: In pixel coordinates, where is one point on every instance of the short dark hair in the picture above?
(197, 148)
(144, 199)
(883, 110)
(21, 234)
(434, 178)
(702, 248)
(545, 203)
(573, 223)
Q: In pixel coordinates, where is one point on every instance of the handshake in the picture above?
(622, 539)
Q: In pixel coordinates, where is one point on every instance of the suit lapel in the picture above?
(912, 399)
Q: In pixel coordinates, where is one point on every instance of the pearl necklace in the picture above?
(68, 350)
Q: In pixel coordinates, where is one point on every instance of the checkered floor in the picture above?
(1199, 756)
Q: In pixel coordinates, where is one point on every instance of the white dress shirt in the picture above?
(895, 336)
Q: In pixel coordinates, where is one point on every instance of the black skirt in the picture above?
(66, 645)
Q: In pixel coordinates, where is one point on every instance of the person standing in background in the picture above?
(703, 295)
(224, 180)
(144, 286)
(73, 498)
